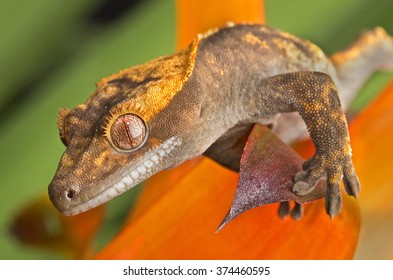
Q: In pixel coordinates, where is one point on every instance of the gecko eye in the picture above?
(128, 132)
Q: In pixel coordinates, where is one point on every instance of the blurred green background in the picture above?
(53, 52)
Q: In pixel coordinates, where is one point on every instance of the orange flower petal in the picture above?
(195, 17)
(372, 138)
(182, 223)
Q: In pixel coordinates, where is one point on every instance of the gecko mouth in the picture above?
(130, 178)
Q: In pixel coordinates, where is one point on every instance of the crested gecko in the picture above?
(205, 100)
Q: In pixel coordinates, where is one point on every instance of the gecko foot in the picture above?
(320, 167)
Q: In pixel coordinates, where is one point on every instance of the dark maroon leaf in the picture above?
(267, 169)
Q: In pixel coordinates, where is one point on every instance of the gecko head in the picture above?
(128, 130)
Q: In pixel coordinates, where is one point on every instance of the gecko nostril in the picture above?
(70, 194)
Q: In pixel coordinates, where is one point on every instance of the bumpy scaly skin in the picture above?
(371, 52)
(326, 123)
(203, 99)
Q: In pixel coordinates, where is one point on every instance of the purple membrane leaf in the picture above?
(267, 169)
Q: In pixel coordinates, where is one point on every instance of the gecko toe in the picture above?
(302, 188)
(307, 180)
(333, 201)
(351, 183)
(297, 212)
(283, 209)
(308, 163)
(300, 176)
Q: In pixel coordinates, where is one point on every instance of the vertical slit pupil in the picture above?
(128, 132)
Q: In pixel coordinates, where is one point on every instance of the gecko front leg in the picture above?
(314, 96)
(371, 52)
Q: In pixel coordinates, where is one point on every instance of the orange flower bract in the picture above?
(181, 223)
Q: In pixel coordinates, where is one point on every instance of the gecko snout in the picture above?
(63, 197)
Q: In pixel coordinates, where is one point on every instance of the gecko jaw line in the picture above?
(129, 178)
